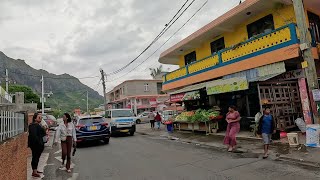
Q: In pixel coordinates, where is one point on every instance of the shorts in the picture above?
(266, 138)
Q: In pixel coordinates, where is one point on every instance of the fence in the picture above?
(11, 124)
(4, 96)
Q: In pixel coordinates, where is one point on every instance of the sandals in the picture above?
(69, 170)
(265, 156)
(36, 175)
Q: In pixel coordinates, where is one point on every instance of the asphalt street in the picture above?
(142, 158)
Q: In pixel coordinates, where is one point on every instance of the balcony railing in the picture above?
(267, 42)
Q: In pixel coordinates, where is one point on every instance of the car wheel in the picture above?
(132, 133)
(106, 141)
(138, 121)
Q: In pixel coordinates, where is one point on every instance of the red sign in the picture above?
(153, 102)
(177, 97)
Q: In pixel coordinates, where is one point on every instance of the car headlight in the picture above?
(133, 123)
(112, 124)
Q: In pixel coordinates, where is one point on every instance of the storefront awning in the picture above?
(190, 88)
(227, 85)
(193, 95)
(264, 78)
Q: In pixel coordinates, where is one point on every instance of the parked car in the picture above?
(92, 128)
(50, 120)
(144, 117)
(121, 121)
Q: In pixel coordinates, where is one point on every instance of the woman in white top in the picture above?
(67, 133)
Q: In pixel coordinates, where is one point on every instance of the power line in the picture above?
(167, 26)
(163, 43)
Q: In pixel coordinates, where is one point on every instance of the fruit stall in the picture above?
(200, 120)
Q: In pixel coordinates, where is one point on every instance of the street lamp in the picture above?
(42, 99)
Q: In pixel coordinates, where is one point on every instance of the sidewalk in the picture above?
(248, 146)
(43, 159)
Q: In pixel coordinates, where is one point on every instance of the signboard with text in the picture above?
(227, 85)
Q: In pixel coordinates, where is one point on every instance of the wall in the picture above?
(282, 15)
(137, 88)
(13, 158)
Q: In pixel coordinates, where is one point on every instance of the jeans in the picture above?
(152, 123)
(158, 124)
(66, 151)
(36, 153)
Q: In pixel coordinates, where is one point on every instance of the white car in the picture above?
(121, 121)
(145, 117)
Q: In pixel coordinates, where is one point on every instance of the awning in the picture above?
(264, 78)
(190, 88)
(227, 85)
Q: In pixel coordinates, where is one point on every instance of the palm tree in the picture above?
(154, 72)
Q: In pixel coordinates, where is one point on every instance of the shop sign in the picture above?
(290, 75)
(193, 95)
(316, 94)
(227, 85)
(177, 97)
(153, 102)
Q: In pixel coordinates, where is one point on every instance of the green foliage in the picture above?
(29, 95)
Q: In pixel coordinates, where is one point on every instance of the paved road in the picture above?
(143, 158)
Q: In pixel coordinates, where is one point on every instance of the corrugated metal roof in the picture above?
(190, 88)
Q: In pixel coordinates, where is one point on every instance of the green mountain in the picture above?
(68, 91)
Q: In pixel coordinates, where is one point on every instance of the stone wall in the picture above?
(13, 157)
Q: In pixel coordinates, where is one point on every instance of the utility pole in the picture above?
(7, 84)
(42, 95)
(104, 89)
(305, 47)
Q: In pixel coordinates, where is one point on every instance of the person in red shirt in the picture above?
(158, 120)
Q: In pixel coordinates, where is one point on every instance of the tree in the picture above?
(29, 95)
(154, 72)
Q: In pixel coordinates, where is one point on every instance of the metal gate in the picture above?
(284, 100)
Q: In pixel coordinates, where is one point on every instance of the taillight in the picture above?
(105, 124)
(78, 127)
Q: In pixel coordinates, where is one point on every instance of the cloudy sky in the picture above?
(79, 36)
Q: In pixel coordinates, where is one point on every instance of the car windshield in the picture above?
(90, 120)
(51, 117)
(122, 113)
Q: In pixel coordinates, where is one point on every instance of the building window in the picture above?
(190, 58)
(263, 25)
(217, 45)
(146, 87)
(122, 91)
(159, 88)
(314, 22)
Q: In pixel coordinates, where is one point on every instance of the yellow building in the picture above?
(257, 35)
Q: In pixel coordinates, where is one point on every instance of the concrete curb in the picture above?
(246, 153)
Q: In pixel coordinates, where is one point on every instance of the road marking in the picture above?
(59, 151)
(74, 176)
(60, 159)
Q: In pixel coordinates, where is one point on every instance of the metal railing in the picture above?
(11, 124)
(4, 96)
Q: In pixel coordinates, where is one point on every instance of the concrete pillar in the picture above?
(19, 96)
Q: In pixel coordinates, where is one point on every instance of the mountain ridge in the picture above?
(68, 91)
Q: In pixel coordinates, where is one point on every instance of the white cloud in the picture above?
(79, 37)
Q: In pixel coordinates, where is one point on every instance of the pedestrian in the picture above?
(233, 119)
(67, 134)
(267, 127)
(36, 142)
(158, 120)
(152, 120)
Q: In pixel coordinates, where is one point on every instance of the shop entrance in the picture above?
(284, 99)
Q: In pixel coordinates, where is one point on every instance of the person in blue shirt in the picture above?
(267, 126)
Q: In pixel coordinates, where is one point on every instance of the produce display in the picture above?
(197, 116)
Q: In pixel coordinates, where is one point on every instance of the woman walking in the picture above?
(67, 134)
(267, 126)
(158, 120)
(233, 118)
(35, 142)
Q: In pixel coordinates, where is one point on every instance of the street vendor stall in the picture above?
(200, 120)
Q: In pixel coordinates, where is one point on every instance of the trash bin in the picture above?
(293, 139)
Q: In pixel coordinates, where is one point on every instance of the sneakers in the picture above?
(69, 170)
(63, 168)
